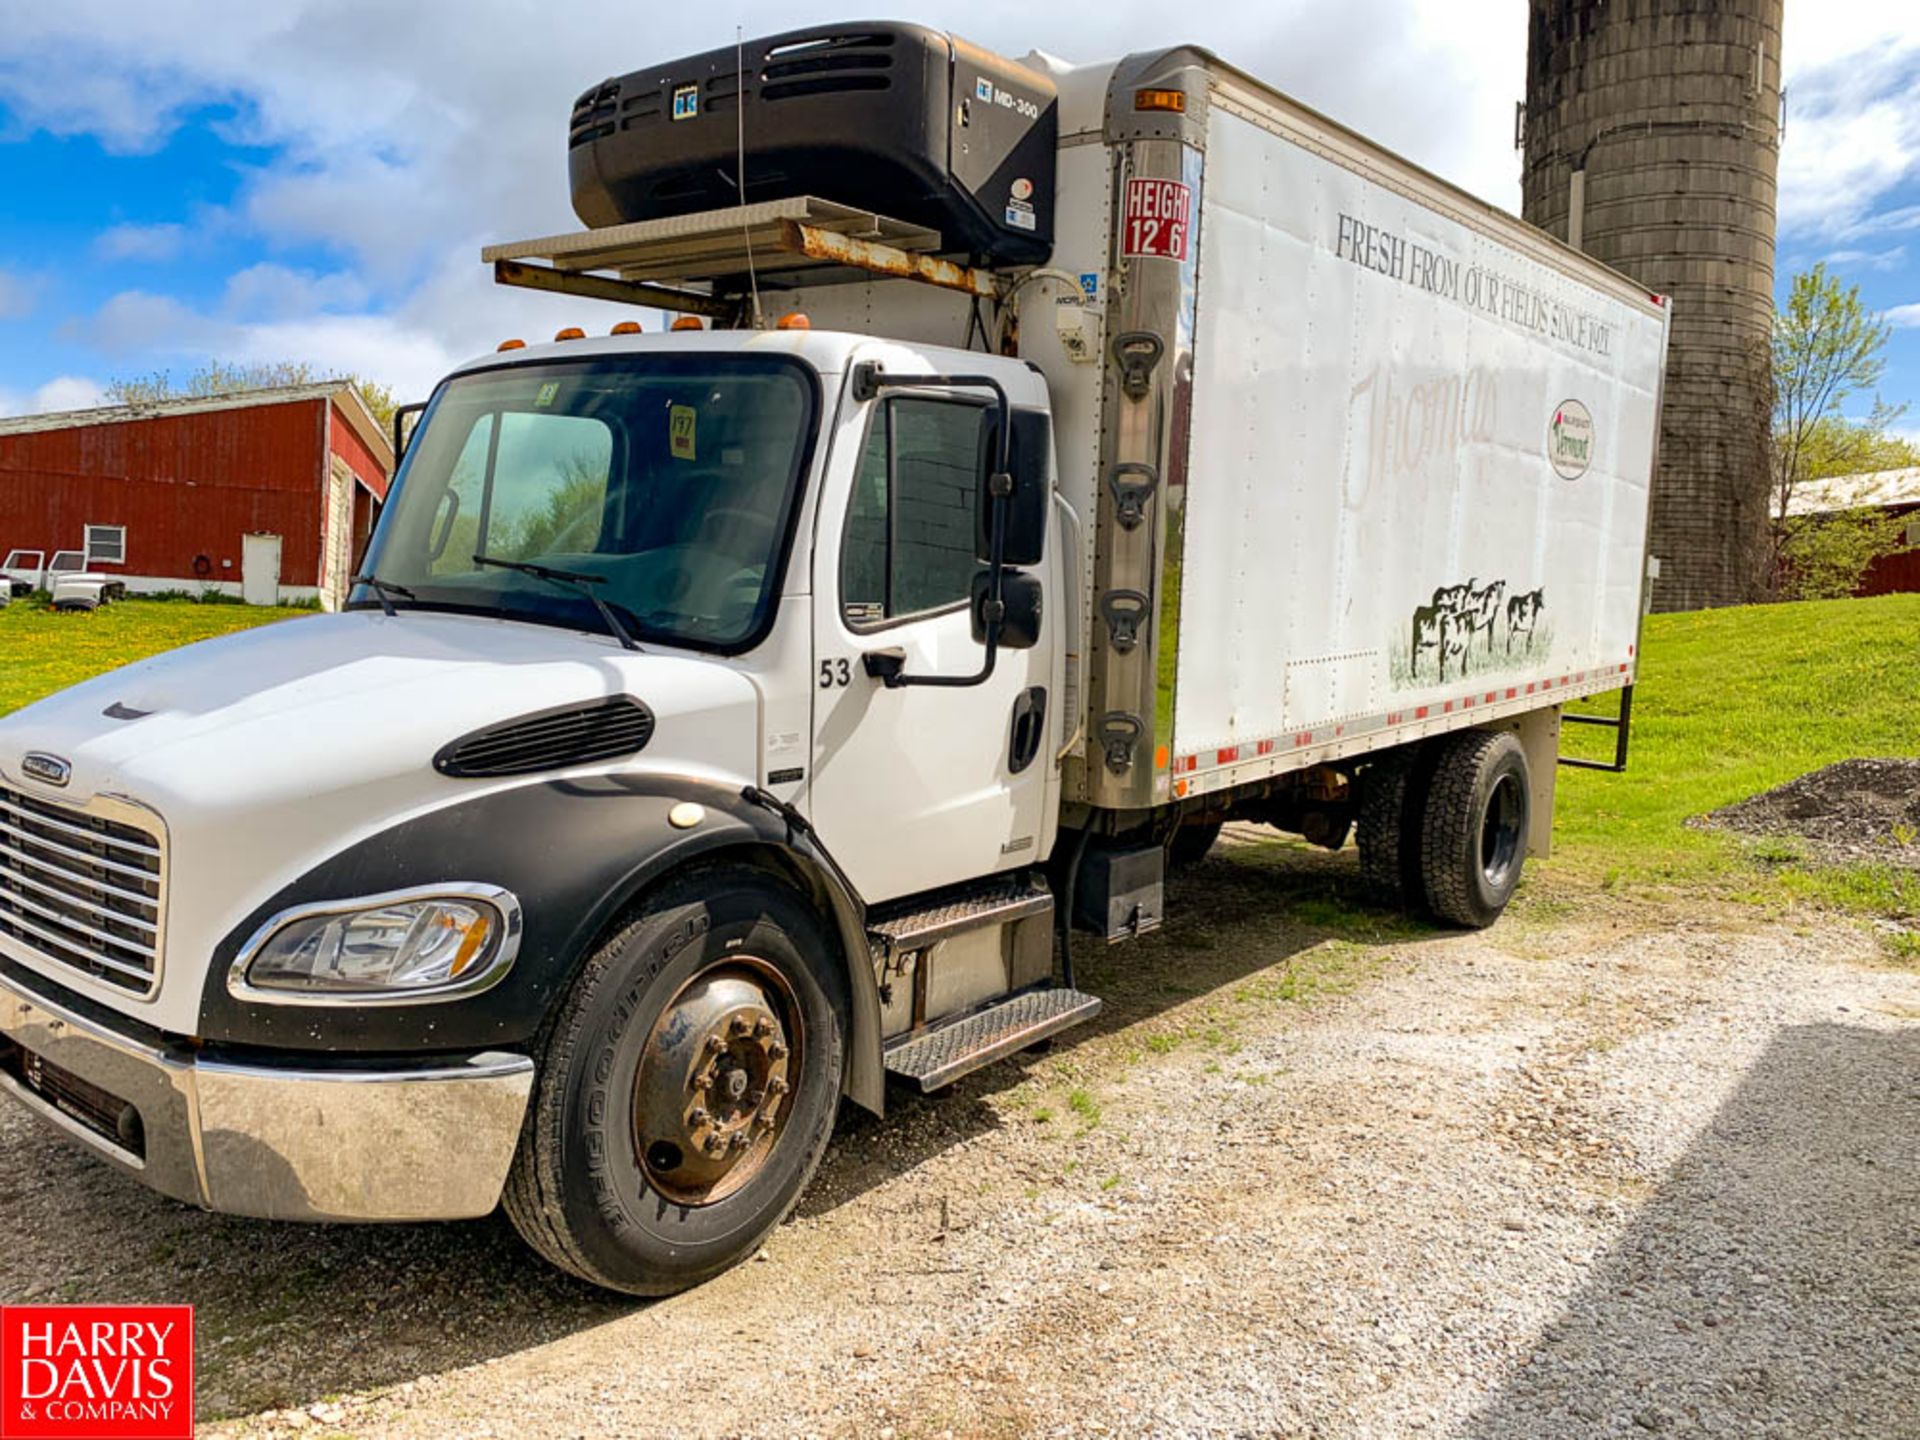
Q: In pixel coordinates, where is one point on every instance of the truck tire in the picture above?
(1192, 842)
(1473, 834)
(685, 1090)
(1387, 826)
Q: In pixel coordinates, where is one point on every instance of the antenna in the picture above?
(740, 161)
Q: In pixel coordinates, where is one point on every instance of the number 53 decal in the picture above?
(835, 672)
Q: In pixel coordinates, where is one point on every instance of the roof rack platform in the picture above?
(799, 240)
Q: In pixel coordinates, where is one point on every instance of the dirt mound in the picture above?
(1855, 810)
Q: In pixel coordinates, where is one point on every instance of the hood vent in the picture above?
(551, 740)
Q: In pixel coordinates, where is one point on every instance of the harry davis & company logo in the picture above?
(1570, 440)
(96, 1372)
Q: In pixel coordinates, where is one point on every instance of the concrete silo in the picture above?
(1651, 133)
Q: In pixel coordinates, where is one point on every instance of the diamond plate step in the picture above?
(926, 920)
(944, 1052)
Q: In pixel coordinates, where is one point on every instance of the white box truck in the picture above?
(728, 718)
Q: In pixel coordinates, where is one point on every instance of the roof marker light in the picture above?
(626, 327)
(795, 321)
(511, 345)
(1174, 100)
(572, 332)
(688, 322)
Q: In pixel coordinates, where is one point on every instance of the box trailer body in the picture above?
(726, 721)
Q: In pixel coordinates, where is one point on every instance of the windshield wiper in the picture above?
(573, 579)
(384, 590)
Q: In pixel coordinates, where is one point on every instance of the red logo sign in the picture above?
(96, 1372)
(1158, 219)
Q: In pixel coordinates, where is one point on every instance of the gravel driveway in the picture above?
(1325, 1175)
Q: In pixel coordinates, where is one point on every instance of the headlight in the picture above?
(383, 949)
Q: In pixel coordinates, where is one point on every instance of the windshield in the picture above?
(669, 478)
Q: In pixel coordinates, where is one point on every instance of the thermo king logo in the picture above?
(686, 102)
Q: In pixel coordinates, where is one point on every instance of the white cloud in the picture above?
(64, 392)
(1852, 139)
(270, 291)
(1885, 260)
(69, 392)
(155, 243)
(17, 296)
(1903, 317)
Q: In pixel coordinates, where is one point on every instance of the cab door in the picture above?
(918, 787)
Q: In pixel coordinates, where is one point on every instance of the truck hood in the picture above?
(267, 751)
(356, 697)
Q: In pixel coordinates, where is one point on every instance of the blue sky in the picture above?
(306, 181)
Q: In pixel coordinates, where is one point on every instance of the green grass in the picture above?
(44, 650)
(1730, 703)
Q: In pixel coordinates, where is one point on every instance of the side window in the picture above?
(908, 546)
(540, 489)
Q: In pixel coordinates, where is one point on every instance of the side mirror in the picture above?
(1020, 593)
(1026, 509)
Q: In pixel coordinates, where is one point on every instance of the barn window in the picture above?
(106, 545)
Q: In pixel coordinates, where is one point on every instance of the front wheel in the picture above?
(1473, 836)
(687, 1089)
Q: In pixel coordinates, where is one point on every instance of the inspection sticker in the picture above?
(680, 431)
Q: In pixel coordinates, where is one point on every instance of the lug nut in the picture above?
(766, 1120)
(715, 1044)
(777, 1085)
(698, 1116)
(776, 1051)
(740, 1026)
(742, 1140)
(764, 1026)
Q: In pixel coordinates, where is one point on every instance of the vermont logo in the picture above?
(1570, 440)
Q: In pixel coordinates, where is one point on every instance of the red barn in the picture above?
(277, 488)
(1894, 494)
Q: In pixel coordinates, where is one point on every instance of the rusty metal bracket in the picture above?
(605, 287)
(828, 245)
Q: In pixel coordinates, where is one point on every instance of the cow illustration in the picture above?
(1482, 611)
(1434, 625)
(1523, 614)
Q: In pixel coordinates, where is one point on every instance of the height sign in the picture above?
(1158, 219)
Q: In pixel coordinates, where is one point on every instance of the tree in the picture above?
(1823, 557)
(1827, 347)
(218, 378)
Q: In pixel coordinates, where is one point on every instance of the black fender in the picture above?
(576, 853)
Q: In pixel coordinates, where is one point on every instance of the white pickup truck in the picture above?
(728, 718)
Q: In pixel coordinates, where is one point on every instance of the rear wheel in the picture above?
(1473, 837)
(687, 1090)
(1387, 826)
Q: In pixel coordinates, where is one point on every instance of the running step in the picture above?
(927, 920)
(942, 1053)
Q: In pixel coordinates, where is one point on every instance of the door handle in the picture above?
(1029, 727)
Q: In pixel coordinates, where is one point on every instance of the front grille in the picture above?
(83, 888)
(100, 1111)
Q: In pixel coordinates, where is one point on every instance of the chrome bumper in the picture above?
(431, 1141)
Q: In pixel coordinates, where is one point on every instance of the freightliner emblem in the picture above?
(47, 769)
